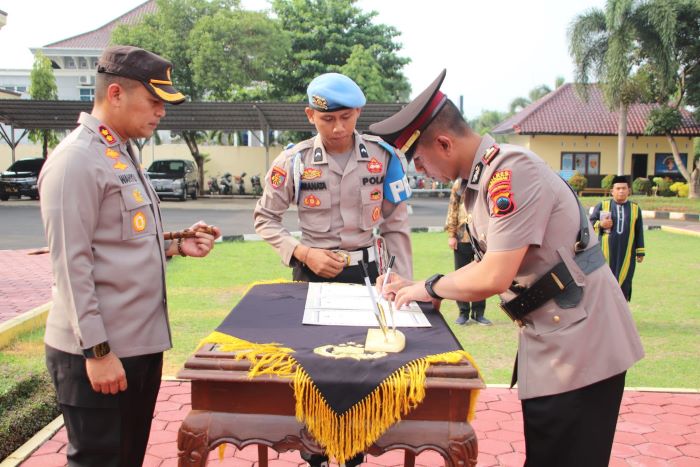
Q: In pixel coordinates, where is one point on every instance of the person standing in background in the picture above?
(458, 240)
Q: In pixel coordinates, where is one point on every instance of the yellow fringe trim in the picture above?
(342, 435)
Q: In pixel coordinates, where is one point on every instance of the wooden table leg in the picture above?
(262, 455)
(192, 439)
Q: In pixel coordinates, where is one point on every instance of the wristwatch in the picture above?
(430, 283)
(97, 351)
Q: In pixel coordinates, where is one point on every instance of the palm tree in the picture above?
(605, 46)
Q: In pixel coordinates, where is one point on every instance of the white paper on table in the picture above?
(335, 304)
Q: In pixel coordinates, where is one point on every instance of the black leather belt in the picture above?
(551, 284)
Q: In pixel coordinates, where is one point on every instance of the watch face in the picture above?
(101, 349)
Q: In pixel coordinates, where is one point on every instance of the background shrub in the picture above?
(641, 186)
(578, 182)
(24, 410)
(663, 186)
(606, 182)
(680, 189)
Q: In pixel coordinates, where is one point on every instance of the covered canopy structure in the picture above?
(233, 116)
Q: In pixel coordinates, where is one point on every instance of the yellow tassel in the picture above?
(222, 448)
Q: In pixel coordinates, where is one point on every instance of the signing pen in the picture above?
(372, 297)
(384, 283)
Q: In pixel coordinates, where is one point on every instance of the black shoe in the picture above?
(462, 319)
(356, 460)
(315, 460)
(483, 321)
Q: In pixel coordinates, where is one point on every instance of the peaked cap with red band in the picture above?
(141, 65)
(403, 129)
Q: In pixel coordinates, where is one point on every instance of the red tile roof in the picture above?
(99, 38)
(564, 112)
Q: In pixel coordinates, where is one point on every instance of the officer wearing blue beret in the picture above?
(344, 185)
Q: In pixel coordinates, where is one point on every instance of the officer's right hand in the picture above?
(106, 374)
(452, 242)
(324, 263)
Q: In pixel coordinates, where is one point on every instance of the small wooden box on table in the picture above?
(229, 407)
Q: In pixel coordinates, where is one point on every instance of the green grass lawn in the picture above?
(665, 304)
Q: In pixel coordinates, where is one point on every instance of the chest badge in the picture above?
(277, 177)
(375, 195)
(374, 166)
(376, 212)
(312, 201)
(138, 222)
(119, 165)
(138, 197)
(111, 153)
(311, 174)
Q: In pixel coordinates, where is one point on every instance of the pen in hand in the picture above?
(373, 297)
(384, 283)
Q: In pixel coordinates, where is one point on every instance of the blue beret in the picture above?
(332, 91)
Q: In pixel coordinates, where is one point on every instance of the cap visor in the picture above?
(166, 93)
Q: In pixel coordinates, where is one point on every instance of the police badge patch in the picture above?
(374, 166)
(277, 177)
(312, 201)
(500, 193)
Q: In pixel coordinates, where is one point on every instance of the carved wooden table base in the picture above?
(204, 430)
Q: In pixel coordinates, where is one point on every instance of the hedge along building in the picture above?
(573, 134)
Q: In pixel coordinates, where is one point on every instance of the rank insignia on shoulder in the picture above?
(375, 195)
(106, 134)
(312, 201)
(476, 173)
(363, 152)
(138, 197)
(320, 102)
(138, 222)
(111, 153)
(318, 155)
(277, 177)
(374, 166)
(119, 165)
(490, 154)
(311, 174)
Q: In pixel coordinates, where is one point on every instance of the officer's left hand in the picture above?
(200, 245)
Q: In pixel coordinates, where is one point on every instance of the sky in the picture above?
(493, 50)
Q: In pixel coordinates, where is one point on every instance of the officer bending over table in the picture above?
(536, 249)
(108, 324)
(344, 185)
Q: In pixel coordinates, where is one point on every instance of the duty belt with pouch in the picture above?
(557, 283)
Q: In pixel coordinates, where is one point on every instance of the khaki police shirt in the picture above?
(336, 210)
(559, 349)
(104, 234)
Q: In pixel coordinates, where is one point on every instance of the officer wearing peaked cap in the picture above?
(535, 248)
(339, 181)
(108, 324)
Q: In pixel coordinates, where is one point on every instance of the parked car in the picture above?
(21, 178)
(175, 178)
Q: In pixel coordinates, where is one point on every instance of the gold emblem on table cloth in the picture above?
(348, 350)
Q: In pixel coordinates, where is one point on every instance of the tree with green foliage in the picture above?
(674, 86)
(536, 93)
(336, 36)
(604, 45)
(218, 51)
(43, 86)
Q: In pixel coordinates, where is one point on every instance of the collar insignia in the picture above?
(106, 134)
(476, 173)
(363, 152)
(318, 155)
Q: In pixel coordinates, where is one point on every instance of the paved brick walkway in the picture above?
(654, 429)
(25, 283)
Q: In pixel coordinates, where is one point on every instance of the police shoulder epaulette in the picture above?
(490, 154)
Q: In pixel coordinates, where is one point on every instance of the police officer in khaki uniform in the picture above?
(338, 181)
(536, 249)
(108, 324)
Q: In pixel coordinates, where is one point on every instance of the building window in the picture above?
(87, 94)
(585, 163)
(70, 63)
(94, 61)
(82, 62)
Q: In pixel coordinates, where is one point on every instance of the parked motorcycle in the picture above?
(226, 184)
(213, 186)
(240, 185)
(255, 183)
